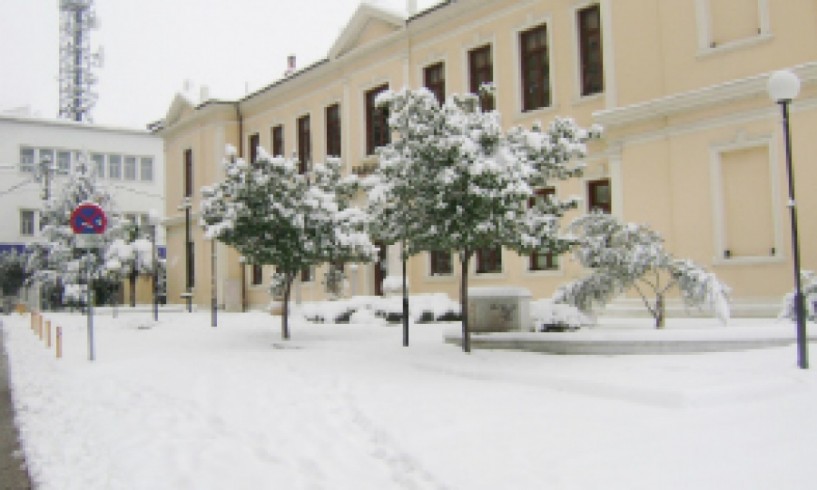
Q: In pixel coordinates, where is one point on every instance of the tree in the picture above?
(480, 180)
(13, 272)
(54, 260)
(624, 256)
(130, 258)
(274, 215)
(399, 188)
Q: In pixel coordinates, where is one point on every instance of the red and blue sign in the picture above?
(88, 219)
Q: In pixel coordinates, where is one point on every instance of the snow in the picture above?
(183, 405)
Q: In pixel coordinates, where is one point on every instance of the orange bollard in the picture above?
(40, 327)
(59, 342)
(48, 334)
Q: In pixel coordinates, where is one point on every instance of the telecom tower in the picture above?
(77, 97)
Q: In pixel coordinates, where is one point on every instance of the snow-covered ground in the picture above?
(183, 405)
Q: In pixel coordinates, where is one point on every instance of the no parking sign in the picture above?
(88, 221)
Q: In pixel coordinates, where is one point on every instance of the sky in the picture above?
(152, 47)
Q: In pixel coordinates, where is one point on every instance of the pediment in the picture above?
(180, 107)
(369, 24)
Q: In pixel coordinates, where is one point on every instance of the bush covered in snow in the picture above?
(625, 256)
(808, 286)
(426, 308)
(548, 316)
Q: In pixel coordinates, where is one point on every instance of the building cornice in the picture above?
(671, 105)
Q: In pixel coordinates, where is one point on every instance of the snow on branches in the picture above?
(622, 256)
(274, 215)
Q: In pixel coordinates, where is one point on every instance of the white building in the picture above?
(129, 163)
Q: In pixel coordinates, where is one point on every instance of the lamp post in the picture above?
(783, 87)
(188, 294)
(153, 216)
(213, 284)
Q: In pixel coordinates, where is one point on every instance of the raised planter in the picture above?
(498, 309)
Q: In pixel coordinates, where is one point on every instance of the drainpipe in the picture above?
(242, 263)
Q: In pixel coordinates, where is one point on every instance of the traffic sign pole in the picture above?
(88, 221)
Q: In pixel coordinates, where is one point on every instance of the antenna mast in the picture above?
(77, 97)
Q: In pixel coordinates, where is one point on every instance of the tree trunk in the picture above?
(132, 280)
(466, 334)
(659, 311)
(285, 312)
(405, 302)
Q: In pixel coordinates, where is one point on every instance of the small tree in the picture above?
(273, 215)
(54, 261)
(480, 180)
(625, 256)
(399, 188)
(13, 272)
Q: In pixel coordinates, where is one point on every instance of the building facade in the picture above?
(128, 162)
(692, 145)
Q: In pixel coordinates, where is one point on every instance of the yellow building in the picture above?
(693, 145)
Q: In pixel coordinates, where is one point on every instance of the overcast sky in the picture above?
(152, 46)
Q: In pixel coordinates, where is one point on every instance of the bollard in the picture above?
(48, 334)
(59, 342)
(33, 319)
(40, 327)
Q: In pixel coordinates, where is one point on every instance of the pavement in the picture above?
(13, 473)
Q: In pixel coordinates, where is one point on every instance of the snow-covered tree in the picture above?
(399, 188)
(624, 256)
(273, 215)
(130, 256)
(808, 281)
(54, 260)
(12, 272)
(475, 182)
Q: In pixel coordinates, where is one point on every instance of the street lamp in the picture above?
(783, 87)
(153, 217)
(188, 294)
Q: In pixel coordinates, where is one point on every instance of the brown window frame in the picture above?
(434, 80)
(542, 261)
(489, 260)
(187, 179)
(377, 121)
(481, 71)
(534, 63)
(278, 140)
(257, 275)
(591, 60)
(592, 202)
(441, 263)
(254, 142)
(333, 131)
(304, 144)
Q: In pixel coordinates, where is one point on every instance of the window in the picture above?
(747, 203)
(377, 122)
(304, 145)
(307, 274)
(255, 140)
(481, 71)
(542, 260)
(733, 20)
(590, 54)
(441, 263)
(188, 173)
(278, 141)
(489, 260)
(257, 275)
(99, 164)
(146, 169)
(434, 80)
(535, 68)
(26, 159)
(333, 144)
(63, 162)
(130, 168)
(46, 156)
(598, 193)
(26, 222)
(115, 166)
